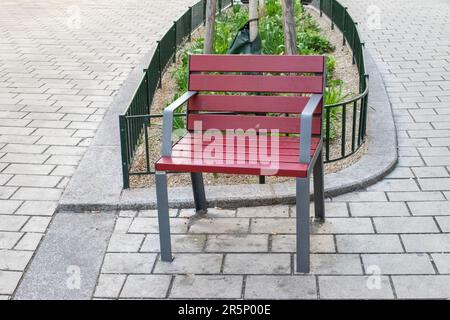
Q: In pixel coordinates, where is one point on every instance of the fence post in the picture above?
(220, 6)
(344, 18)
(190, 24)
(174, 41)
(320, 8)
(360, 64)
(123, 151)
(332, 15)
(353, 42)
(366, 101)
(147, 90)
(159, 64)
(204, 12)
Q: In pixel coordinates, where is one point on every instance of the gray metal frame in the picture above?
(303, 185)
(168, 122)
(315, 164)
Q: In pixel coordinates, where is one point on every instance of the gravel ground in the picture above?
(345, 70)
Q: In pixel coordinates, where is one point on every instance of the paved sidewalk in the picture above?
(61, 63)
(389, 241)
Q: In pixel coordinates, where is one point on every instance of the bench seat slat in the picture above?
(255, 83)
(285, 169)
(223, 122)
(252, 63)
(285, 147)
(240, 103)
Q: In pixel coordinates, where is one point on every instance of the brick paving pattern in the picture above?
(60, 66)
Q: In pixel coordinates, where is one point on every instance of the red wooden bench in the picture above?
(284, 94)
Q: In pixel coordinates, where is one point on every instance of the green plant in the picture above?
(333, 95)
(309, 41)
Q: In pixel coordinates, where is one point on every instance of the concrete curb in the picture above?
(97, 184)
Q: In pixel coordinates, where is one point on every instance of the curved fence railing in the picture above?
(136, 120)
(352, 112)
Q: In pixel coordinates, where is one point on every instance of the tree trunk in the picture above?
(290, 36)
(211, 6)
(261, 7)
(253, 15)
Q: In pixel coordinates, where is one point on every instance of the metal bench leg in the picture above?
(199, 192)
(163, 216)
(319, 204)
(302, 207)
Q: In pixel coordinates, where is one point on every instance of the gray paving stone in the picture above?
(375, 209)
(125, 242)
(146, 286)
(280, 287)
(434, 184)
(257, 263)
(34, 181)
(212, 213)
(154, 213)
(343, 226)
(355, 287)
(128, 262)
(150, 225)
(272, 226)
(398, 263)
(442, 262)
(444, 223)
(29, 241)
(9, 206)
(14, 260)
(400, 172)
(426, 208)
(268, 211)
(237, 243)
(9, 239)
(27, 193)
(219, 225)
(405, 225)
(180, 243)
(9, 281)
(340, 264)
(332, 210)
(191, 263)
(207, 286)
(11, 223)
(422, 286)
(122, 225)
(415, 196)
(427, 242)
(394, 185)
(109, 285)
(319, 243)
(37, 224)
(375, 243)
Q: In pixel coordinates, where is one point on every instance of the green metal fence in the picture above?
(353, 111)
(136, 120)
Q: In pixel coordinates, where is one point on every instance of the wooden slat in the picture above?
(187, 143)
(248, 157)
(284, 169)
(224, 122)
(256, 63)
(240, 103)
(255, 83)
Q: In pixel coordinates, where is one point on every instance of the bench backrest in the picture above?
(276, 86)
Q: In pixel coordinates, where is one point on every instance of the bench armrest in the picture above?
(168, 122)
(306, 127)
